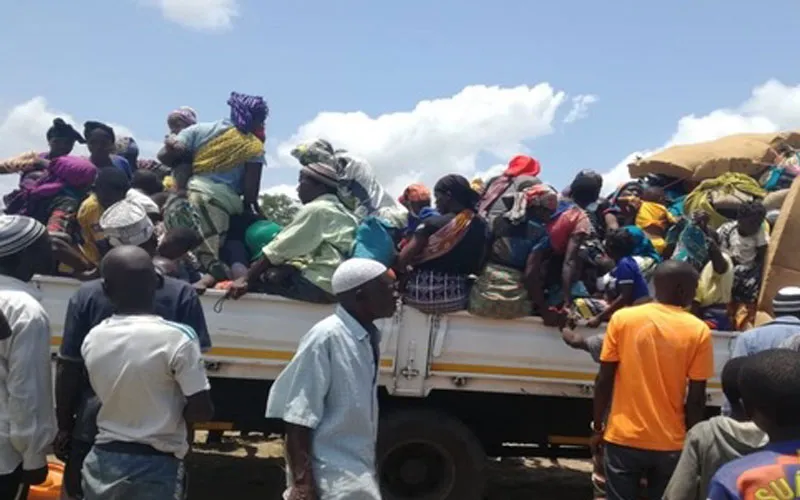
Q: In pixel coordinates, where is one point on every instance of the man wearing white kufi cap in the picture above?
(327, 394)
(25, 378)
(126, 223)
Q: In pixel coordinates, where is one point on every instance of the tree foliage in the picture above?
(278, 207)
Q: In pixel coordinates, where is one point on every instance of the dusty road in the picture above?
(252, 469)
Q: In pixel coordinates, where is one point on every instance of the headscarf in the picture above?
(126, 146)
(323, 173)
(91, 126)
(18, 232)
(186, 115)
(316, 151)
(126, 223)
(523, 165)
(354, 273)
(64, 130)
(541, 195)
(415, 193)
(248, 113)
(459, 189)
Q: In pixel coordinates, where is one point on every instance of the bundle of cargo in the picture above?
(782, 267)
(750, 154)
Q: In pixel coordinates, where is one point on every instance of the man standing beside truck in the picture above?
(649, 353)
(26, 417)
(327, 395)
(76, 404)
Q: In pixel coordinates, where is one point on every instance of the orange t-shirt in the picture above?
(659, 348)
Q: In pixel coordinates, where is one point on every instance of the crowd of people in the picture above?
(148, 235)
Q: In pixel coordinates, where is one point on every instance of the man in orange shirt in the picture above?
(649, 354)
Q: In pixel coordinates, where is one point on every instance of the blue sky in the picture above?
(648, 64)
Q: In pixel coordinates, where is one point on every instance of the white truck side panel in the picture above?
(257, 335)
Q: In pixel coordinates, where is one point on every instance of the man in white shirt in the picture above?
(149, 376)
(327, 395)
(27, 418)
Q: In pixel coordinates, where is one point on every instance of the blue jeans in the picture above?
(123, 476)
(625, 467)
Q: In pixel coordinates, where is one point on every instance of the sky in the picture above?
(420, 89)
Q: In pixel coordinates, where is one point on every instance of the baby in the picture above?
(653, 217)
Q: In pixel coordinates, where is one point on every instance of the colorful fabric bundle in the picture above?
(226, 151)
(63, 172)
(712, 194)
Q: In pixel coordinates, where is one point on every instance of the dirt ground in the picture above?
(252, 468)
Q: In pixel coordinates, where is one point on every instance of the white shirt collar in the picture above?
(9, 283)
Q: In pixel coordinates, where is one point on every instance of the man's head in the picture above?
(100, 138)
(147, 182)
(126, 223)
(787, 302)
(675, 283)
(178, 241)
(619, 243)
(586, 187)
(770, 383)
(750, 217)
(365, 288)
(730, 385)
(654, 194)
(110, 186)
(415, 198)
(129, 279)
(25, 247)
(61, 138)
(316, 179)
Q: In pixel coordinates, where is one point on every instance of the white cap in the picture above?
(126, 223)
(353, 273)
(142, 199)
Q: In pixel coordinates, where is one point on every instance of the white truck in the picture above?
(454, 388)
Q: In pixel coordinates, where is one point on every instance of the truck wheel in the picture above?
(428, 455)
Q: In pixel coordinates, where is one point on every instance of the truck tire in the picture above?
(429, 455)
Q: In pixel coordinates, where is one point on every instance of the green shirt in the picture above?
(317, 240)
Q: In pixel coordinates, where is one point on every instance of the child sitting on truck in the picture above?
(630, 285)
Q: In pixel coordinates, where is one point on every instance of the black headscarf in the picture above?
(90, 126)
(458, 188)
(64, 130)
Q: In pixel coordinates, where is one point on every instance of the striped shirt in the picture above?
(142, 369)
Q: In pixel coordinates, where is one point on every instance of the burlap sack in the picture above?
(750, 154)
(775, 199)
(782, 266)
(678, 162)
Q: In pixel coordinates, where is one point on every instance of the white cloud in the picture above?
(580, 107)
(203, 15)
(771, 107)
(439, 136)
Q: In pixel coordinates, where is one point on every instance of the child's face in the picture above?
(748, 226)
